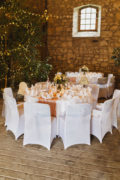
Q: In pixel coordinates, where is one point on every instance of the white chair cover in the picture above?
(75, 127)
(13, 119)
(6, 92)
(22, 88)
(116, 109)
(95, 93)
(104, 90)
(102, 120)
(116, 93)
(38, 126)
(111, 86)
(116, 117)
(61, 106)
(93, 80)
(114, 121)
(4, 110)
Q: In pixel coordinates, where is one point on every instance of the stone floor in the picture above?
(80, 162)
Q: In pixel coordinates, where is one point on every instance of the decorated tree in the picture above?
(21, 34)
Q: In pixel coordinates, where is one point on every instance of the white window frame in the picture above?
(76, 33)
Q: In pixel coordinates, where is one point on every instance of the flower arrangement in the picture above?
(84, 69)
(84, 81)
(60, 79)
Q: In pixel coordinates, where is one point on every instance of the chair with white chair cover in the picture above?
(116, 109)
(14, 116)
(7, 91)
(95, 93)
(4, 110)
(116, 94)
(75, 127)
(104, 88)
(93, 80)
(116, 117)
(22, 88)
(40, 128)
(101, 122)
(61, 106)
(111, 86)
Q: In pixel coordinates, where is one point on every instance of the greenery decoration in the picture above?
(60, 78)
(116, 56)
(21, 34)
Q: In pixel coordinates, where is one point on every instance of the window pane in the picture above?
(83, 11)
(93, 10)
(93, 26)
(88, 10)
(83, 21)
(87, 21)
(93, 16)
(87, 16)
(93, 21)
(87, 27)
(82, 27)
(82, 16)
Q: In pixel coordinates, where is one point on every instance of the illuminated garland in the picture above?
(16, 18)
(8, 51)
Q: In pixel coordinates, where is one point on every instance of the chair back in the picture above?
(116, 96)
(107, 115)
(107, 107)
(95, 91)
(37, 124)
(115, 111)
(77, 124)
(112, 80)
(93, 80)
(110, 76)
(8, 91)
(22, 88)
(116, 93)
(11, 114)
(102, 80)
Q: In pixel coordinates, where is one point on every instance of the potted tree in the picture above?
(21, 37)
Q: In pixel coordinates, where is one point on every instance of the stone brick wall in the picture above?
(69, 53)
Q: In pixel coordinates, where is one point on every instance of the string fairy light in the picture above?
(17, 17)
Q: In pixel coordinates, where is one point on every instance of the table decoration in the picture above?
(60, 80)
(84, 69)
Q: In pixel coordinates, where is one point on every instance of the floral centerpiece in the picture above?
(60, 80)
(84, 80)
(84, 69)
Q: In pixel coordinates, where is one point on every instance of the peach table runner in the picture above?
(52, 104)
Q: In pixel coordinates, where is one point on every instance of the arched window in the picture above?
(86, 21)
